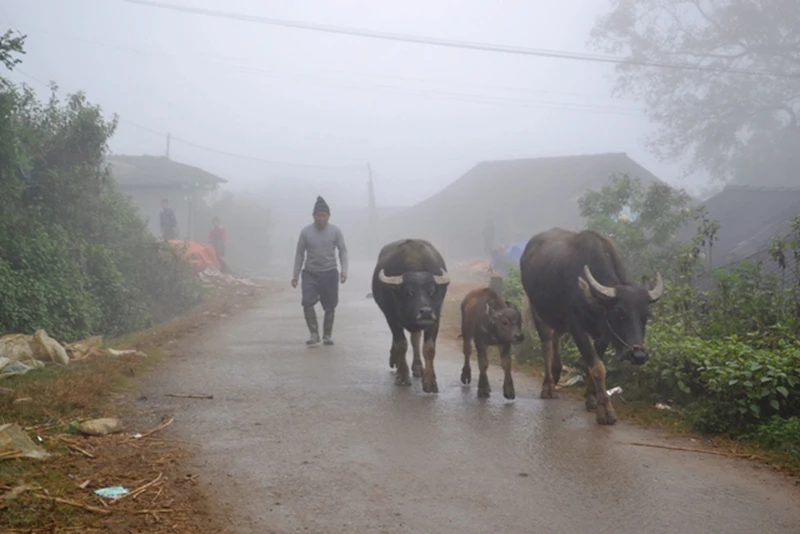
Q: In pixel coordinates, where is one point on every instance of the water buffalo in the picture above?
(409, 284)
(488, 320)
(577, 283)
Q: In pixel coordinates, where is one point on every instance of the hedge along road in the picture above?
(321, 440)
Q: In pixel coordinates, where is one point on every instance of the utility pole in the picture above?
(168, 136)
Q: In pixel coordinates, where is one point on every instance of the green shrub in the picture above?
(729, 385)
(782, 435)
(75, 257)
(728, 357)
(513, 290)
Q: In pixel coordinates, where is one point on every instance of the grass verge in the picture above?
(57, 494)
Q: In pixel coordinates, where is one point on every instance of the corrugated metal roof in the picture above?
(749, 218)
(157, 171)
(526, 196)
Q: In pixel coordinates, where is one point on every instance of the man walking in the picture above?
(169, 224)
(316, 246)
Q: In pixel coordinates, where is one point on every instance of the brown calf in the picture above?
(488, 320)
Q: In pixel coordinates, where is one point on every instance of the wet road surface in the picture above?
(321, 440)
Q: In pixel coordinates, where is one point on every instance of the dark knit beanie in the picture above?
(321, 205)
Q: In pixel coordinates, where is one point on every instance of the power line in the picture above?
(463, 97)
(243, 156)
(487, 47)
(211, 149)
(223, 61)
(476, 98)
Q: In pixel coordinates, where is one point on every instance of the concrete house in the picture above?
(145, 180)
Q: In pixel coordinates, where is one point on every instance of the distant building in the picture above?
(527, 196)
(749, 219)
(145, 180)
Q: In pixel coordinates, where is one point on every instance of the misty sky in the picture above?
(419, 114)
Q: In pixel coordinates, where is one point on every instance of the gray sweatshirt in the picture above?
(317, 247)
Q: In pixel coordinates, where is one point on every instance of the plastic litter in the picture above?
(614, 391)
(114, 492)
(212, 276)
(15, 443)
(20, 353)
(127, 352)
(573, 380)
(10, 367)
(47, 349)
(660, 406)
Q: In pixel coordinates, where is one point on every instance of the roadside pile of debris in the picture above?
(215, 278)
(20, 353)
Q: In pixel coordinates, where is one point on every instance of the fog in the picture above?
(420, 114)
(287, 114)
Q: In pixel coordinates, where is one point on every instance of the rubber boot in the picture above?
(327, 327)
(313, 327)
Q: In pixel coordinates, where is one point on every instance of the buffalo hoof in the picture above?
(508, 391)
(466, 375)
(484, 392)
(548, 391)
(416, 370)
(591, 404)
(429, 385)
(605, 416)
(392, 362)
(402, 380)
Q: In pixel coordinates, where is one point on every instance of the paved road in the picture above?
(321, 440)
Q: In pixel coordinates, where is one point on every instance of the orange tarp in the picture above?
(200, 254)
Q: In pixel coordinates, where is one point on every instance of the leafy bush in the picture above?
(641, 221)
(782, 435)
(75, 258)
(728, 357)
(513, 290)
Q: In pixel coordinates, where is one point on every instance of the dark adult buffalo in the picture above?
(409, 284)
(488, 320)
(577, 283)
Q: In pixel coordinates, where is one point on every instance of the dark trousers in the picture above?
(320, 287)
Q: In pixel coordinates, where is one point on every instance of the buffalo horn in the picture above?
(444, 278)
(656, 292)
(608, 292)
(390, 280)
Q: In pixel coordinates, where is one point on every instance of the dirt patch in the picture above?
(57, 494)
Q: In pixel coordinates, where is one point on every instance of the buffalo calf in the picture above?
(488, 320)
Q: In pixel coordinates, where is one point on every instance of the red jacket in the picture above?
(216, 236)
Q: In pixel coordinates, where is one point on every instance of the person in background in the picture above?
(169, 224)
(216, 237)
(316, 256)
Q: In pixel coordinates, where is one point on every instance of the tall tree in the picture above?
(646, 234)
(10, 47)
(733, 125)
